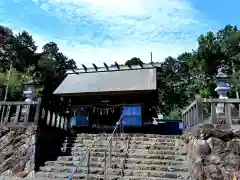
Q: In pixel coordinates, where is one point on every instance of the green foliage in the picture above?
(194, 72)
(175, 114)
(49, 66)
(134, 61)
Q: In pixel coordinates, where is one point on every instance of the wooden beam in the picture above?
(84, 67)
(129, 65)
(95, 66)
(106, 66)
(189, 107)
(225, 101)
(113, 68)
(117, 65)
(17, 103)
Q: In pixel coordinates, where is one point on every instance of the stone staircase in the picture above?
(134, 157)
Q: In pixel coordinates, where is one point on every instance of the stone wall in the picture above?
(17, 151)
(213, 152)
(23, 150)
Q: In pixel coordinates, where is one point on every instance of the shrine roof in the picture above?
(135, 79)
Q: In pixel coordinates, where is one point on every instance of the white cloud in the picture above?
(125, 28)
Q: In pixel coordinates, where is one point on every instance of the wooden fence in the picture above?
(204, 112)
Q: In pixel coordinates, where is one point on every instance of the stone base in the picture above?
(17, 151)
(213, 151)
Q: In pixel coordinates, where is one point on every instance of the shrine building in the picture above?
(100, 96)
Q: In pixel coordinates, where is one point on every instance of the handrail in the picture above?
(115, 128)
(195, 113)
(192, 115)
(89, 151)
(83, 157)
(189, 107)
(109, 144)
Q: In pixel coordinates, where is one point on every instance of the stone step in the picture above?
(147, 178)
(97, 149)
(128, 135)
(114, 141)
(87, 142)
(94, 146)
(150, 142)
(116, 172)
(171, 168)
(59, 175)
(119, 144)
(155, 136)
(90, 178)
(116, 160)
(119, 138)
(159, 174)
(131, 146)
(83, 170)
(137, 144)
(121, 150)
(181, 166)
(154, 161)
(97, 166)
(123, 155)
(152, 147)
(155, 151)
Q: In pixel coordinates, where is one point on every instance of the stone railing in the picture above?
(205, 111)
(30, 134)
(19, 113)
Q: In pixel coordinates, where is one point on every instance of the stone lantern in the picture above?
(30, 95)
(222, 89)
(30, 91)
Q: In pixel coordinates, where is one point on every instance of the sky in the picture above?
(97, 31)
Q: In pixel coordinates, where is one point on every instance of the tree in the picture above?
(49, 66)
(134, 61)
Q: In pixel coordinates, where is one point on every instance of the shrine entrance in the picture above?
(105, 117)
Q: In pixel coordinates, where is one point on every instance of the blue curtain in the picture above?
(132, 115)
(81, 118)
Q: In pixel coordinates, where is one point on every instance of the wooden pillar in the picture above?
(62, 122)
(17, 114)
(53, 119)
(213, 113)
(228, 114)
(7, 115)
(48, 118)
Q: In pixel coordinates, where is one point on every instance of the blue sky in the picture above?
(116, 30)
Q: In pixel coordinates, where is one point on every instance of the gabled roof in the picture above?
(108, 81)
